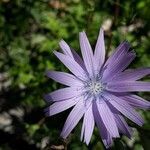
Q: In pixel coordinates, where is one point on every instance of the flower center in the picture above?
(95, 87)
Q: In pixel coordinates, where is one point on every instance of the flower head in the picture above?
(100, 91)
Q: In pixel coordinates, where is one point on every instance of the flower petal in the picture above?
(122, 125)
(58, 107)
(78, 59)
(107, 118)
(132, 74)
(124, 108)
(72, 65)
(121, 49)
(88, 125)
(108, 141)
(118, 65)
(99, 54)
(65, 48)
(87, 52)
(128, 86)
(62, 94)
(63, 78)
(136, 101)
(73, 118)
(105, 135)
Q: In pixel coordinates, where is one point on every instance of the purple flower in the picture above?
(100, 91)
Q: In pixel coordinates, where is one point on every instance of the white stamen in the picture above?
(95, 87)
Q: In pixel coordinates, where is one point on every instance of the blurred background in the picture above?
(29, 32)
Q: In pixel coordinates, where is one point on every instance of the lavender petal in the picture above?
(65, 48)
(58, 107)
(87, 52)
(107, 118)
(122, 125)
(105, 135)
(88, 125)
(72, 65)
(128, 86)
(121, 49)
(99, 54)
(132, 74)
(73, 118)
(136, 101)
(118, 65)
(124, 108)
(78, 59)
(63, 78)
(61, 94)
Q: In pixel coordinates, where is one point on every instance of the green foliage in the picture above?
(29, 32)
